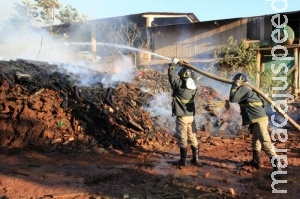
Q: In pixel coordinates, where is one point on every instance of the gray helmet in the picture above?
(240, 76)
(185, 73)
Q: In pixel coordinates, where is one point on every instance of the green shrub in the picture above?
(237, 57)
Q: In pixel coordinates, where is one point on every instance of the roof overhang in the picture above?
(151, 16)
(169, 16)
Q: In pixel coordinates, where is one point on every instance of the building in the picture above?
(183, 36)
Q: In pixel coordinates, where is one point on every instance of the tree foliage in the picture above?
(44, 13)
(68, 15)
(238, 57)
(47, 10)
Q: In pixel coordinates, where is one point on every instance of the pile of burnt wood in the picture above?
(46, 109)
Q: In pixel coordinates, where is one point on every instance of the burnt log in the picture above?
(136, 125)
(10, 82)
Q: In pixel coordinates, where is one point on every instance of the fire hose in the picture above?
(266, 97)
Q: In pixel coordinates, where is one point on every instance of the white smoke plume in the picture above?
(38, 45)
(7, 10)
(160, 107)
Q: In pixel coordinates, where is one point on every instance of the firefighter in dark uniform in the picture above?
(254, 115)
(183, 107)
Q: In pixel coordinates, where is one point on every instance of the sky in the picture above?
(205, 10)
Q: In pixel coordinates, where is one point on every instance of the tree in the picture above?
(43, 13)
(67, 15)
(127, 34)
(237, 57)
(47, 12)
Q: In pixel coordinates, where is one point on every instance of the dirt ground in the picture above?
(40, 159)
(147, 173)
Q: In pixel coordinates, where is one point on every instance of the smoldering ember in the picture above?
(64, 138)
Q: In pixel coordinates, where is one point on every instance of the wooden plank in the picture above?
(296, 75)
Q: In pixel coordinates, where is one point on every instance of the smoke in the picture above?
(37, 44)
(121, 70)
(88, 73)
(160, 108)
(20, 41)
(7, 10)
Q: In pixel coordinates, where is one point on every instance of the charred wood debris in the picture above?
(46, 109)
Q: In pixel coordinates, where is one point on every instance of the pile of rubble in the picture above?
(46, 109)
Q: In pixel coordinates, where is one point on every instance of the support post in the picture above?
(296, 73)
(94, 44)
(258, 67)
(149, 21)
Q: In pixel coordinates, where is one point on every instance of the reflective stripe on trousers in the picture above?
(186, 131)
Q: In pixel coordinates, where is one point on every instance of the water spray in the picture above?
(265, 96)
(115, 46)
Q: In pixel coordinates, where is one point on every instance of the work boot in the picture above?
(255, 160)
(182, 161)
(276, 167)
(195, 155)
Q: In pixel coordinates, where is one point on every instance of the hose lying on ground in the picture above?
(267, 98)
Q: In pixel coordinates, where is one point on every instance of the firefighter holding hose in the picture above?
(254, 115)
(183, 107)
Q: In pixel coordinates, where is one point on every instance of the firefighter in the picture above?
(183, 107)
(253, 114)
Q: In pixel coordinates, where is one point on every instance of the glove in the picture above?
(175, 60)
(180, 62)
(183, 62)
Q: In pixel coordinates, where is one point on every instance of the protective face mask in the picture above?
(190, 84)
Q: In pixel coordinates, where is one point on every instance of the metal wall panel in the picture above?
(197, 40)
